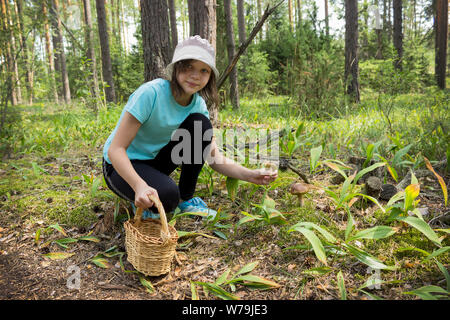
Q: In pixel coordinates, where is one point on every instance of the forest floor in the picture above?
(26, 273)
(57, 225)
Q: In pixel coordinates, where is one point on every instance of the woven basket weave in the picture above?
(150, 243)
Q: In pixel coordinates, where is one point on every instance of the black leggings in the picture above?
(155, 172)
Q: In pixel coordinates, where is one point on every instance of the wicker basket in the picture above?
(150, 243)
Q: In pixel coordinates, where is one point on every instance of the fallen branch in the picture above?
(244, 46)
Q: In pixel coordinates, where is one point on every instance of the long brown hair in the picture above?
(209, 92)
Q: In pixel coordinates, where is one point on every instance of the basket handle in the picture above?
(162, 215)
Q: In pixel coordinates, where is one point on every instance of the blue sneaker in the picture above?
(197, 205)
(146, 214)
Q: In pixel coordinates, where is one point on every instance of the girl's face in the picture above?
(194, 77)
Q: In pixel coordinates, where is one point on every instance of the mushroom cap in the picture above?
(299, 188)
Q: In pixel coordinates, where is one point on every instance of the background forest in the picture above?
(356, 90)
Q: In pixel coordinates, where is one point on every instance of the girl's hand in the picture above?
(141, 199)
(262, 176)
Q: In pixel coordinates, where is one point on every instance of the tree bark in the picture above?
(202, 22)
(59, 48)
(49, 53)
(25, 56)
(441, 27)
(173, 24)
(103, 34)
(155, 37)
(327, 25)
(90, 54)
(202, 19)
(8, 54)
(241, 21)
(398, 33)
(291, 20)
(234, 87)
(351, 48)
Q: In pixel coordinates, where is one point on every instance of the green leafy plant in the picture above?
(264, 213)
(241, 277)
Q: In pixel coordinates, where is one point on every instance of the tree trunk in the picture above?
(173, 24)
(23, 42)
(258, 6)
(234, 87)
(327, 25)
(202, 21)
(291, 20)
(299, 12)
(441, 27)
(90, 54)
(15, 70)
(106, 56)
(59, 48)
(49, 53)
(351, 48)
(155, 37)
(398, 33)
(241, 21)
(8, 53)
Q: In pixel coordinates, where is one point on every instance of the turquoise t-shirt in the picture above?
(154, 106)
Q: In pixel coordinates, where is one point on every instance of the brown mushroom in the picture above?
(299, 189)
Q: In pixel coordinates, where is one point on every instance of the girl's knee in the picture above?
(169, 195)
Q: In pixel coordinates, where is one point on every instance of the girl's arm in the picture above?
(117, 154)
(218, 162)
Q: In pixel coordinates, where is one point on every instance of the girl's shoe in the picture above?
(197, 205)
(146, 214)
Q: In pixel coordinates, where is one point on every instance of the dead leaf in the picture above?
(291, 267)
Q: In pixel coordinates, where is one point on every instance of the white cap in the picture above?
(194, 48)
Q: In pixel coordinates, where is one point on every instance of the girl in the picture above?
(139, 155)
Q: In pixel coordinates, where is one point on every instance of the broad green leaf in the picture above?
(319, 271)
(444, 230)
(374, 233)
(256, 282)
(37, 236)
(95, 185)
(269, 202)
(399, 154)
(147, 284)
(413, 249)
(315, 155)
(422, 226)
(220, 234)
(426, 292)
(393, 173)
(232, 185)
(346, 185)
(223, 277)
(335, 167)
(58, 255)
(194, 294)
(217, 291)
(247, 268)
(411, 193)
(398, 196)
(437, 252)
(366, 170)
(63, 242)
(350, 224)
(441, 181)
(328, 236)
(88, 238)
(367, 259)
(446, 274)
(193, 234)
(100, 261)
(371, 295)
(371, 199)
(58, 228)
(315, 242)
(341, 285)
